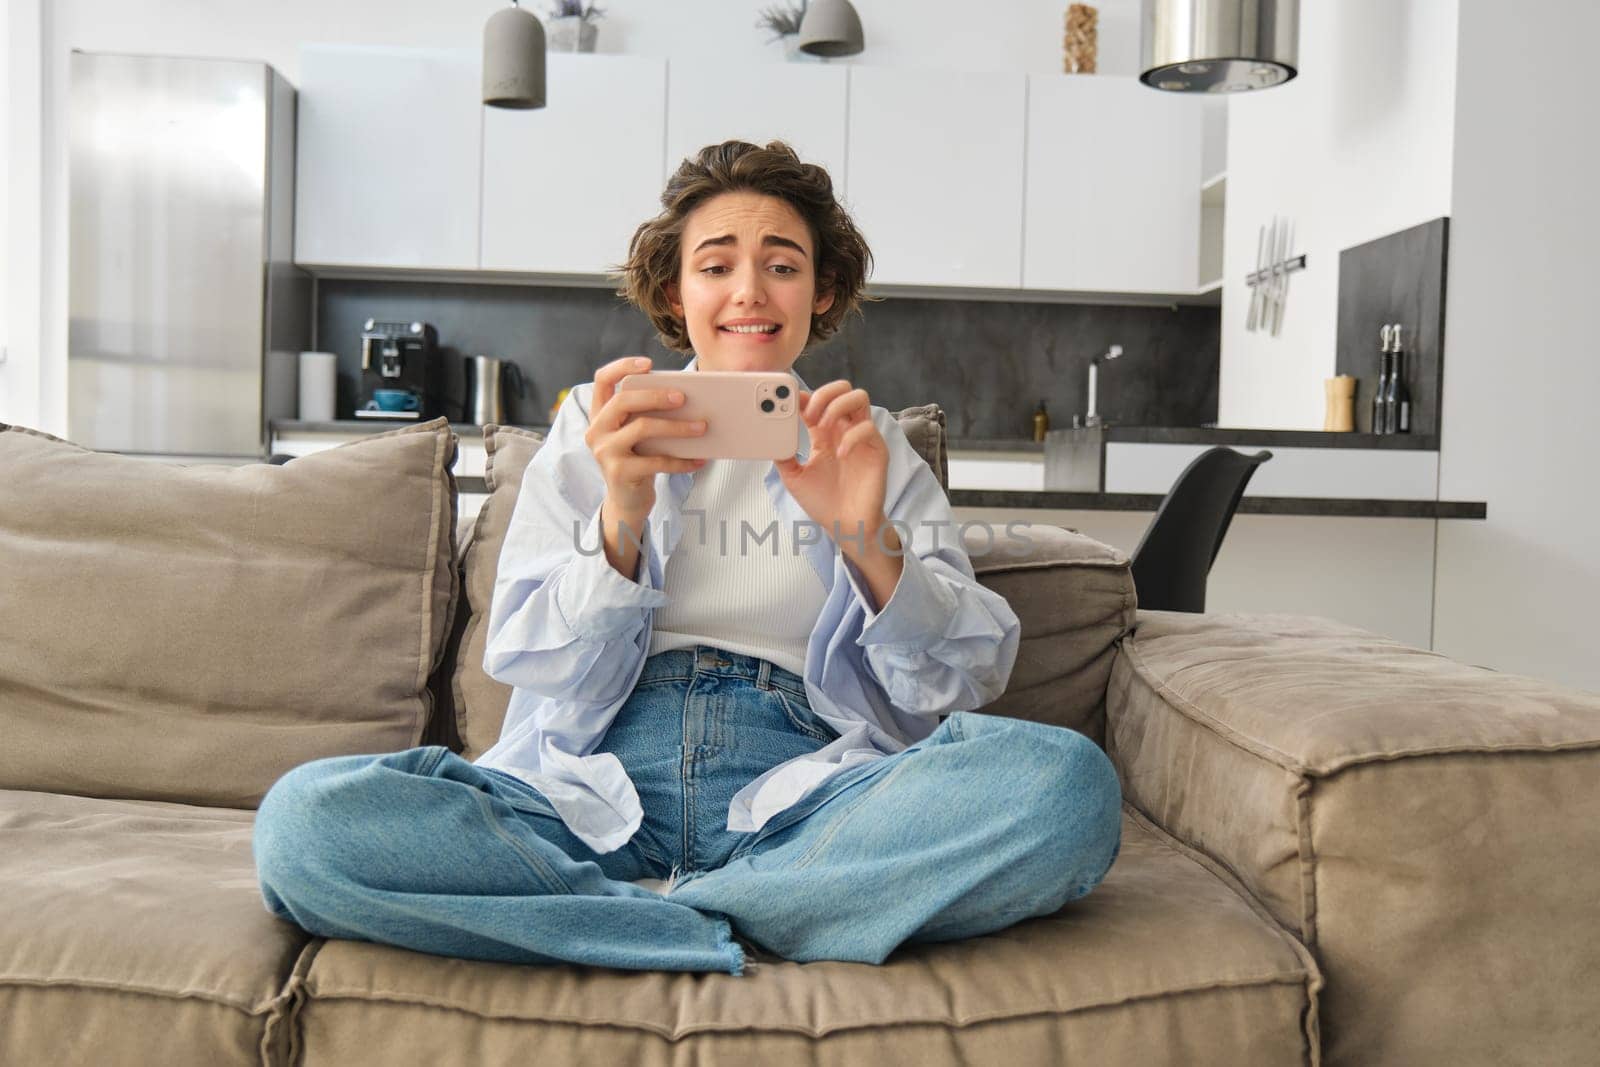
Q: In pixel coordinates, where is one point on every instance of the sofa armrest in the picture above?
(1074, 597)
(1430, 830)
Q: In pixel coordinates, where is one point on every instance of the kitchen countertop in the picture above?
(1085, 501)
(1166, 435)
(463, 429)
(1250, 505)
(1206, 435)
(994, 444)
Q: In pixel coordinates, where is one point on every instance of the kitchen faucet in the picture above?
(1093, 417)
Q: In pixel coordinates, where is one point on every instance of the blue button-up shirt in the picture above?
(569, 633)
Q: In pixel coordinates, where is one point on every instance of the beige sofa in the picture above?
(1335, 849)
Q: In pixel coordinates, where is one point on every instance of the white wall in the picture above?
(1402, 113)
(1356, 147)
(20, 234)
(951, 34)
(5, 184)
(1522, 371)
(1372, 573)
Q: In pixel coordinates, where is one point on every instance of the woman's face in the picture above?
(747, 283)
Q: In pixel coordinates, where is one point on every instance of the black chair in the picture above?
(1175, 555)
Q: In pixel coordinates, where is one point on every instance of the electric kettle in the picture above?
(486, 384)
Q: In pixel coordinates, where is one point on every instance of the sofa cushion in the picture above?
(479, 702)
(1075, 599)
(1165, 962)
(923, 426)
(1430, 829)
(134, 932)
(192, 632)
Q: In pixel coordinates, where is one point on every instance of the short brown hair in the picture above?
(655, 255)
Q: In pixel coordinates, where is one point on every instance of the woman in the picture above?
(759, 724)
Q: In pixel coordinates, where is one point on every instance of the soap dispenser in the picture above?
(1041, 422)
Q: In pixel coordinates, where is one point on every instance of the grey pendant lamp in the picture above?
(830, 28)
(513, 59)
(1219, 46)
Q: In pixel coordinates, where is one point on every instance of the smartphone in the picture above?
(748, 414)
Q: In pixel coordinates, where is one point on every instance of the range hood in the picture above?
(1219, 46)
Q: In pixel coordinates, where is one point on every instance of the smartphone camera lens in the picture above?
(766, 405)
(783, 392)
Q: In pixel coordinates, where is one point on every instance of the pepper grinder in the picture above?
(1339, 414)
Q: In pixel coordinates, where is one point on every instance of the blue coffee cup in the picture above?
(396, 400)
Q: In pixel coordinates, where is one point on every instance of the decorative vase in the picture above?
(1079, 43)
(571, 34)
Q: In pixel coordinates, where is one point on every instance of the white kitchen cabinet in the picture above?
(566, 185)
(388, 156)
(1111, 202)
(934, 175)
(958, 180)
(803, 105)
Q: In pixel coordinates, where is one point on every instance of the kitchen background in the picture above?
(1401, 115)
(987, 363)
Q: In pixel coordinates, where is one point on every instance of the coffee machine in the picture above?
(401, 371)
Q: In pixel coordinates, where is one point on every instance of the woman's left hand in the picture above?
(844, 478)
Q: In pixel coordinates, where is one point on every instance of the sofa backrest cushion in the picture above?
(1073, 595)
(1075, 599)
(190, 633)
(478, 701)
(923, 426)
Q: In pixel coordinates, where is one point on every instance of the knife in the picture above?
(1279, 231)
(1255, 287)
(1283, 283)
(1274, 242)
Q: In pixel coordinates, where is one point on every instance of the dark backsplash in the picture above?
(987, 363)
(1399, 278)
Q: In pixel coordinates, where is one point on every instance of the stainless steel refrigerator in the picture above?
(180, 255)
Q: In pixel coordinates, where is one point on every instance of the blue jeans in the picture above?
(987, 821)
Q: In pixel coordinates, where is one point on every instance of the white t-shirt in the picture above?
(747, 588)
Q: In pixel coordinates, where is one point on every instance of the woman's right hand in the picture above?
(618, 420)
